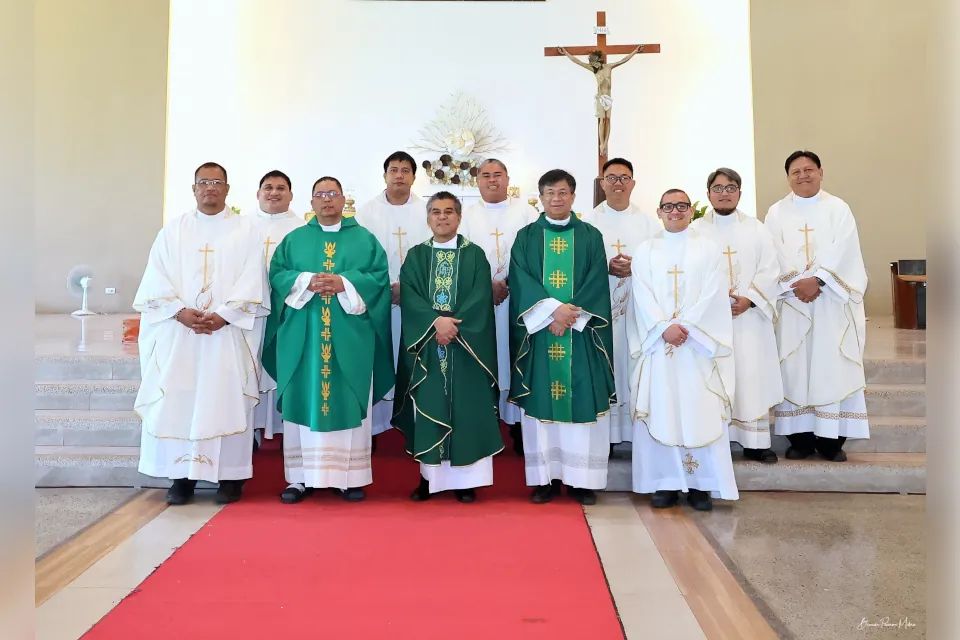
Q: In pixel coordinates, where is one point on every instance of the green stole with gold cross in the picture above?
(558, 282)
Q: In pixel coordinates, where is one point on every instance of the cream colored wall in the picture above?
(101, 85)
(849, 79)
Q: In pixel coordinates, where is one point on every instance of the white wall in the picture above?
(332, 87)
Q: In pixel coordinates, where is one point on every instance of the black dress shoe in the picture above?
(229, 491)
(181, 492)
(583, 496)
(766, 456)
(373, 445)
(422, 492)
(543, 494)
(353, 494)
(516, 433)
(465, 495)
(700, 500)
(293, 494)
(796, 454)
(836, 456)
(665, 499)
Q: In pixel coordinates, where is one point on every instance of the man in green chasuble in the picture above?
(561, 346)
(330, 347)
(447, 393)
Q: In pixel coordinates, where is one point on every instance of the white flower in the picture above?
(460, 143)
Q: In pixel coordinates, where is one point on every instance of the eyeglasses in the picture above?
(204, 182)
(621, 179)
(327, 194)
(668, 207)
(719, 188)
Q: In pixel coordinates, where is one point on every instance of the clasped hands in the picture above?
(806, 289)
(620, 266)
(739, 305)
(564, 317)
(326, 284)
(675, 335)
(446, 330)
(500, 292)
(201, 323)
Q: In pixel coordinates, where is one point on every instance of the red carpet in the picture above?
(500, 568)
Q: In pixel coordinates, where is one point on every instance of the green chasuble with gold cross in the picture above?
(568, 378)
(447, 395)
(323, 359)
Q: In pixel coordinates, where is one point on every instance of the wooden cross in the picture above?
(206, 250)
(604, 50)
(619, 247)
(400, 233)
(266, 250)
(496, 239)
(676, 273)
(730, 253)
(806, 240)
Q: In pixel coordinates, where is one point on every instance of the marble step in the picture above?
(862, 473)
(87, 428)
(908, 400)
(84, 367)
(887, 371)
(93, 467)
(86, 395)
(888, 434)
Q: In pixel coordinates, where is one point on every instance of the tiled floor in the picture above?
(62, 513)
(819, 565)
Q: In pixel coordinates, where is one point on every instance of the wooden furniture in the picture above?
(908, 279)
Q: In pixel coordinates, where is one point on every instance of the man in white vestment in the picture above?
(272, 222)
(396, 217)
(753, 275)
(199, 297)
(492, 224)
(680, 332)
(821, 330)
(624, 226)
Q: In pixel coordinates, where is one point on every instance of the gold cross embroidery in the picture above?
(559, 245)
(689, 464)
(806, 241)
(326, 333)
(556, 352)
(676, 273)
(400, 233)
(206, 250)
(558, 278)
(325, 409)
(557, 390)
(730, 253)
(266, 250)
(496, 240)
(619, 247)
(329, 264)
(325, 352)
(325, 371)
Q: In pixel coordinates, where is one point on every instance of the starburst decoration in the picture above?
(462, 129)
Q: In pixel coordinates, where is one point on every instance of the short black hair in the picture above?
(488, 161)
(796, 155)
(400, 156)
(331, 178)
(276, 174)
(732, 175)
(554, 176)
(610, 163)
(445, 195)
(210, 165)
(671, 191)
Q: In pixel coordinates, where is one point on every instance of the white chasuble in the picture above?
(820, 343)
(494, 227)
(623, 232)
(397, 228)
(270, 230)
(750, 263)
(328, 459)
(681, 395)
(198, 392)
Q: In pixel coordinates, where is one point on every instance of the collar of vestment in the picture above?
(343, 224)
(678, 236)
(449, 244)
(630, 209)
(219, 216)
(454, 243)
(712, 217)
(496, 205)
(274, 216)
(570, 223)
(383, 197)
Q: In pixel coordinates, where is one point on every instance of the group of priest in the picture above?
(580, 331)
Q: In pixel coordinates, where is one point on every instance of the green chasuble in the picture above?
(446, 403)
(321, 357)
(566, 379)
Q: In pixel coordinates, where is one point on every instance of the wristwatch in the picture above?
(821, 282)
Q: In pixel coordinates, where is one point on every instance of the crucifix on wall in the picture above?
(603, 72)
